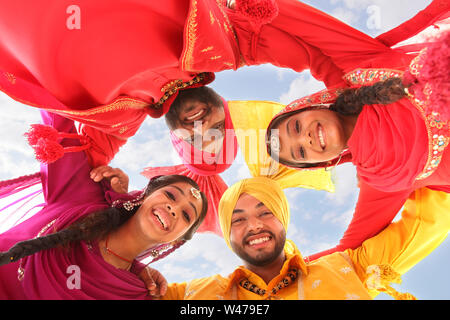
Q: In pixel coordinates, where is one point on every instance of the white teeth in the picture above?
(259, 240)
(195, 115)
(161, 220)
(321, 140)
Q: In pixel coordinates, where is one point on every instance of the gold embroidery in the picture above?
(370, 76)
(177, 86)
(215, 57)
(211, 17)
(123, 129)
(10, 77)
(438, 136)
(187, 60)
(119, 104)
(170, 85)
(437, 130)
(20, 269)
(207, 49)
(415, 65)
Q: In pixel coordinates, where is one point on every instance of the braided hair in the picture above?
(349, 103)
(98, 224)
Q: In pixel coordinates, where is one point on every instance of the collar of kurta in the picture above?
(293, 259)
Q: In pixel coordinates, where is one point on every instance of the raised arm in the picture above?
(302, 37)
(425, 223)
(374, 211)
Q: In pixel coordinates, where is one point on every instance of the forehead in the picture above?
(187, 190)
(248, 202)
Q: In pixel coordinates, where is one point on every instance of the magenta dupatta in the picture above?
(70, 194)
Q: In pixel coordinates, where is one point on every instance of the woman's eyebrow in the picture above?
(195, 209)
(179, 189)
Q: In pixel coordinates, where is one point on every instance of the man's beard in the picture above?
(263, 258)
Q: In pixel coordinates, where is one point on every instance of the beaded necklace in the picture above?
(286, 281)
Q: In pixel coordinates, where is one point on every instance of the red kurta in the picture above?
(109, 64)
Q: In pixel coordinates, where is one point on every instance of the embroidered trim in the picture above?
(119, 104)
(10, 77)
(437, 129)
(370, 76)
(20, 269)
(438, 137)
(175, 85)
(191, 37)
(320, 98)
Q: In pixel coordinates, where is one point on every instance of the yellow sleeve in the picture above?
(425, 223)
(208, 288)
(175, 291)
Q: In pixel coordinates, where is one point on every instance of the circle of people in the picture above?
(384, 109)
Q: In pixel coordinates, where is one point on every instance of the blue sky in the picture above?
(318, 218)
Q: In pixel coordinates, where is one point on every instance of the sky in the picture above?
(318, 218)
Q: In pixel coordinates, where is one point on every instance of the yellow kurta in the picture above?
(342, 275)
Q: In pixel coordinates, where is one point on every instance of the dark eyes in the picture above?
(262, 214)
(219, 126)
(171, 196)
(302, 152)
(186, 216)
(237, 220)
(297, 126)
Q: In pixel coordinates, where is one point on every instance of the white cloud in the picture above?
(302, 86)
(391, 13)
(16, 156)
(345, 181)
(345, 15)
(208, 248)
(341, 219)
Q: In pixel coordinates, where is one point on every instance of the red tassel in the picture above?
(258, 11)
(432, 83)
(38, 131)
(48, 151)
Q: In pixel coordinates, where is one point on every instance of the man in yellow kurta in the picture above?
(254, 216)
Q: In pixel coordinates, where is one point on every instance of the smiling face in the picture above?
(197, 116)
(313, 136)
(201, 125)
(256, 235)
(167, 213)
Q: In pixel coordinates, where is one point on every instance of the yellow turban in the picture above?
(266, 190)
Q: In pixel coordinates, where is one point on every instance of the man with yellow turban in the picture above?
(254, 217)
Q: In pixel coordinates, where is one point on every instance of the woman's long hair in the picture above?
(349, 103)
(98, 224)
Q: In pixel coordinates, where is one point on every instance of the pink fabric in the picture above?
(70, 194)
(205, 163)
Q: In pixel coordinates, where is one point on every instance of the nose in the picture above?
(171, 210)
(254, 224)
(306, 138)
